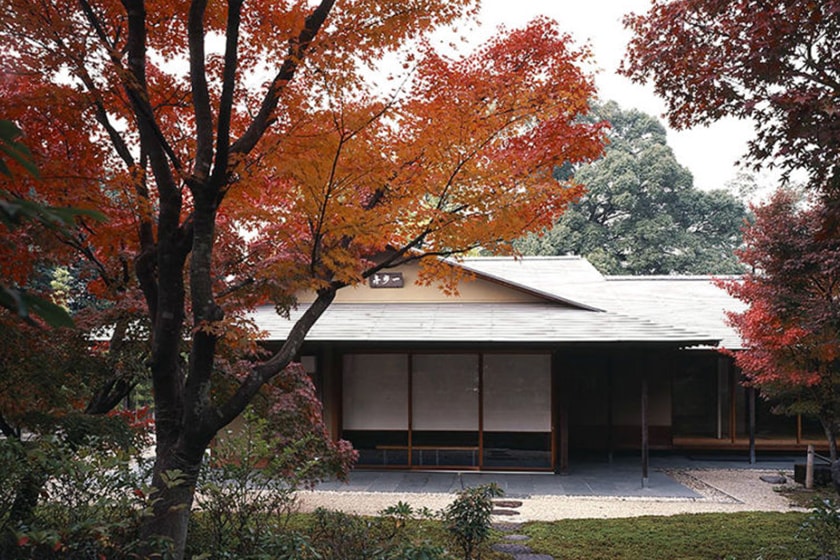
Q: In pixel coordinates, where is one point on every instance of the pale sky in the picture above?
(710, 153)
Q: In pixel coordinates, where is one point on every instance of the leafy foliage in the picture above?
(822, 528)
(93, 502)
(241, 175)
(641, 213)
(341, 536)
(248, 491)
(777, 63)
(467, 518)
(15, 211)
(790, 329)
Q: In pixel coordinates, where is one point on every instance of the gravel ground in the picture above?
(729, 490)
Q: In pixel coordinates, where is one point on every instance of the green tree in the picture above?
(641, 213)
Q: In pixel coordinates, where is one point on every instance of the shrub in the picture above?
(467, 518)
(247, 490)
(822, 528)
(341, 536)
(91, 502)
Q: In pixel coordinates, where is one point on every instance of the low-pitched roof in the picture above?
(476, 322)
(687, 311)
(689, 302)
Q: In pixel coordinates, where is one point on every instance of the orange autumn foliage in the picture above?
(242, 151)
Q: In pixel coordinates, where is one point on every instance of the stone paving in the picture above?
(515, 544)
(619, 478)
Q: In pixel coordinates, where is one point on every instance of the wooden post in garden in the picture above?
(809, 469)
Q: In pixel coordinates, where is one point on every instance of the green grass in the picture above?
(732, 536)
(707, 536)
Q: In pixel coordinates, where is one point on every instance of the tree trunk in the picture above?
(174, 482)
(830, 428)
(23, 507)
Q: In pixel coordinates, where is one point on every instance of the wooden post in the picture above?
(560, 411)
(809, 469)
(564, 438)
(645, 442)
(722, 382)
(733, 411)
(752, 425)
(798, 429)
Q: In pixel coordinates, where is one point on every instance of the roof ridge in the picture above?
(678, 277)
(524, 257)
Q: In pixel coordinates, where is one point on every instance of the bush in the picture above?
(246, 492)
(822, 529)
(341, 536)
(467, 518)
(91, 500)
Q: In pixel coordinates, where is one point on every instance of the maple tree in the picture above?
(777, 63)
(241, 155)
(790, 329)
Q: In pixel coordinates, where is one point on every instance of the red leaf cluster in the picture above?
(777, 63)
(791, 329)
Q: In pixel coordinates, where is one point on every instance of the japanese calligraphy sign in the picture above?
(386, 280)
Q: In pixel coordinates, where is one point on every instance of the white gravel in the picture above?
(729, 490)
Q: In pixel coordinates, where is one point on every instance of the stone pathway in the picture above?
(514, 544)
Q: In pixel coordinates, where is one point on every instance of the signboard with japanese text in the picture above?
(386, 280)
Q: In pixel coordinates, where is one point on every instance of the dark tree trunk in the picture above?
(174, 481)
(22, 510)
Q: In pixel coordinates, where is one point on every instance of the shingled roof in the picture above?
(581, 305)
(477, 323)
(694, 303)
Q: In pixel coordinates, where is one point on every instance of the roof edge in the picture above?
(522, 287)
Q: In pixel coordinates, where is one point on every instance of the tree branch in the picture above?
(226, 102)
(216, 419)
(296, 53)
(200, 92)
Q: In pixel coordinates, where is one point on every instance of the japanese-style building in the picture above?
(535, 361)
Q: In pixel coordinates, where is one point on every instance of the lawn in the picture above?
(732, 536)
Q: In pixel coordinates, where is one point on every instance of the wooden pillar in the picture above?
(333, 377)
(722, 383)
(564, 437)
(751, 393)
(480, 462)
(560, 413)
(645, 443)
(733, 411)
(610, 438)
(798, 429)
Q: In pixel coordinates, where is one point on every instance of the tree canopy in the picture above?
(790, 327)
(240, 154)
(777, 63)
(641, 213)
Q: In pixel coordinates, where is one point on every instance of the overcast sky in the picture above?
(710, 153)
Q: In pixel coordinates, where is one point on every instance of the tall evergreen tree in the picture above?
(641, 213)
